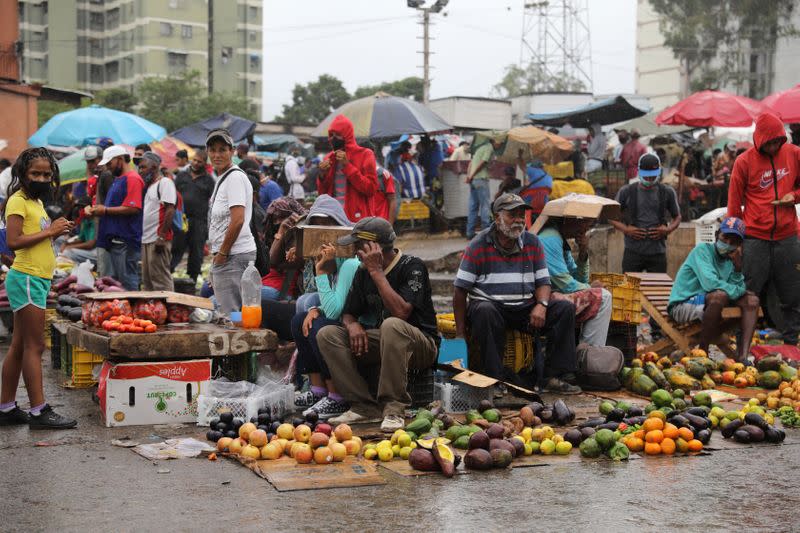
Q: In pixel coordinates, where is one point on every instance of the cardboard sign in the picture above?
(309, 238)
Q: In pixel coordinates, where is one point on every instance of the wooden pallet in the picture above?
(655, 289)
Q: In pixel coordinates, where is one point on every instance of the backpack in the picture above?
(599, 367)
(179, 220)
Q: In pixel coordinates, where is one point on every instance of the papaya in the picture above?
(624, 373)
(643, 385)
(769, 379)
(679, 380)
(695, 369)
(424, 413)
(771, 362)
(707, 382)
(656, 375)
(709, 364)
(454, 432)
(787, 372)
(420, 426)
(632, 376)
(664, 362)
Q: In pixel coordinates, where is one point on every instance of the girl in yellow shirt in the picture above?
(30, 234)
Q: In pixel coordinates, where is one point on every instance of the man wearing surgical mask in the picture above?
(711, 279)
(650, 213)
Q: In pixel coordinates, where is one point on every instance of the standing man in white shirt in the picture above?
(160, 198)
(232, 243)
(293, 175)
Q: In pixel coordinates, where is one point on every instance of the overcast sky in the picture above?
(365, 42)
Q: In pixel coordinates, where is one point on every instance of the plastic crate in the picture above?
(626, 298)
(82, 374)
(55, 347)
(460, 397)
(413, 210)
(705, 231)
(420, 387)
(280, 401)
(66, 358)
(623, 335)
(520, 350)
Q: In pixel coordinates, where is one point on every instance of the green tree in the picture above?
(410, 87)
(120, 99)
(47, 109)
(532, 78)
(716, 42)
(312, 102)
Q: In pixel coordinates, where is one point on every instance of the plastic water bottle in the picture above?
(251, 297)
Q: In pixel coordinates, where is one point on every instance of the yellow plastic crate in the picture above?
(520, 350)
(413, 210)
(626, 298)
(446, 322)
(83, 363)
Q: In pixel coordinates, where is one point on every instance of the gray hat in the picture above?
(373, 229)
(92, 152)
(220, 133)
(507, 202)
(152, 156)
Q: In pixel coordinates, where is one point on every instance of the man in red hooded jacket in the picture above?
(348, 173)
(765, 185)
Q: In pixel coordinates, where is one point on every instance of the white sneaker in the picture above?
(392, 423)
(351, 417)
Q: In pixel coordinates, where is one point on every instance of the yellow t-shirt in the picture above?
(40, 259)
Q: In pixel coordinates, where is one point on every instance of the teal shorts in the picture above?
(24, 289)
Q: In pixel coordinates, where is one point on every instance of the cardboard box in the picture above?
(135, 394)
(310, 238)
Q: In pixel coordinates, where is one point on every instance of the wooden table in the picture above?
(172, 342)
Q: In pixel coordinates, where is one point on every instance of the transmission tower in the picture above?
(555, 37)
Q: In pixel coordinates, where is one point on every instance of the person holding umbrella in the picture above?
(349, 172)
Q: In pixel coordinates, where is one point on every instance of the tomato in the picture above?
(127, 320)
(106, 325)
(136, 329)
(150, 328)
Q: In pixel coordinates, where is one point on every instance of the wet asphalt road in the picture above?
(83, 483)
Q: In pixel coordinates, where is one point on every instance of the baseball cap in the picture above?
(732, 226)
(507, 202)
(373, 229)
(731, 146)
(220, 133)
(92, 152)
(649, 166)
(113, 151)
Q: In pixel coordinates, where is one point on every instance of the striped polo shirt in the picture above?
(508, 279)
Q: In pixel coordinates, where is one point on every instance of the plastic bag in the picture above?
(83, 273)
(201, 316)
(95, 312)
(153, 310)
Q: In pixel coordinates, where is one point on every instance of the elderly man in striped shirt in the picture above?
(504, 272)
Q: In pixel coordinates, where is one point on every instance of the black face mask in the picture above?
(337, 143)
(39, 189)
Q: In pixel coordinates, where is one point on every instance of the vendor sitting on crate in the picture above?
(570, 279)
(711, 279)
(504, 272)
(388, 321)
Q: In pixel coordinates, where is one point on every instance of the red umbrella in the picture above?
(785, 104)
(712, 108)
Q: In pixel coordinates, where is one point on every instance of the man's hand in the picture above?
(312, 315)
(289, 223)
(327, 252)
(359, 343)
(325, 164)
(659, 233)
(635, 233)
(736, 257)
(161, 242)
(61, 226)
(220, 259)
(786, 199)
(537, 317)
(372, 258)
(468, 180)
(341, 157)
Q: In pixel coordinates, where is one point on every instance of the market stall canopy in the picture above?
(712, 108)
(72, 128)
(534, 142)
(166, 149)
(785, 104)
(647, 126)
(72, 168)
(279, 142)
(195, 134)
(608, 111)
(383, 116)
(578, 206)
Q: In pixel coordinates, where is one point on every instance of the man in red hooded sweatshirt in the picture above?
(765, 183)
(348, 173)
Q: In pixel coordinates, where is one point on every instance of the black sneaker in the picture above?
(327, 408)
(305, 399)
(14, 417)
(49, 419)
(561, 387)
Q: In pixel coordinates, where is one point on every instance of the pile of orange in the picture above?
(659, 437)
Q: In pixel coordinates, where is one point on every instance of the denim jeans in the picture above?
(125, 263)
(478, 205)
(307, 301)
(103, 262)
(227, 281)
(79, 256)
(309, 358)
(269, 293)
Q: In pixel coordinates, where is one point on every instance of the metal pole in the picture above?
(426, 80)
(210, 46)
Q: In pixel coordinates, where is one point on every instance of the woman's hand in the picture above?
(327, 252)
(312, 315)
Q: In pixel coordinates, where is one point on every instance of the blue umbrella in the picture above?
(72, 128)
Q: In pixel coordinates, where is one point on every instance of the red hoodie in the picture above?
(752, 184)
(360, 170)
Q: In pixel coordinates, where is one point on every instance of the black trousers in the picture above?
(488, 323)
(194, 240)
(635, 262)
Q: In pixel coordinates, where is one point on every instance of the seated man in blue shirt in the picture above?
(711, 279)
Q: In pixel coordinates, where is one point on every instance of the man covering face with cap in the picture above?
(388, 321)
(504, 273)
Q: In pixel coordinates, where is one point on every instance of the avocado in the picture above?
(297, 421)
(478, 459)
(273, 428)
(312, 417)
(462, 442)
(701, 399)
(231, 433)
(492, 415)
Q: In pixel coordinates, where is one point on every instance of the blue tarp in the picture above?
(195, 134)
(278, 142)
(608, 111)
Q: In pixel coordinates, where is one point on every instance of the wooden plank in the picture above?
(169, 297)
(351, 472)
(170, 343)
(666, 325)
